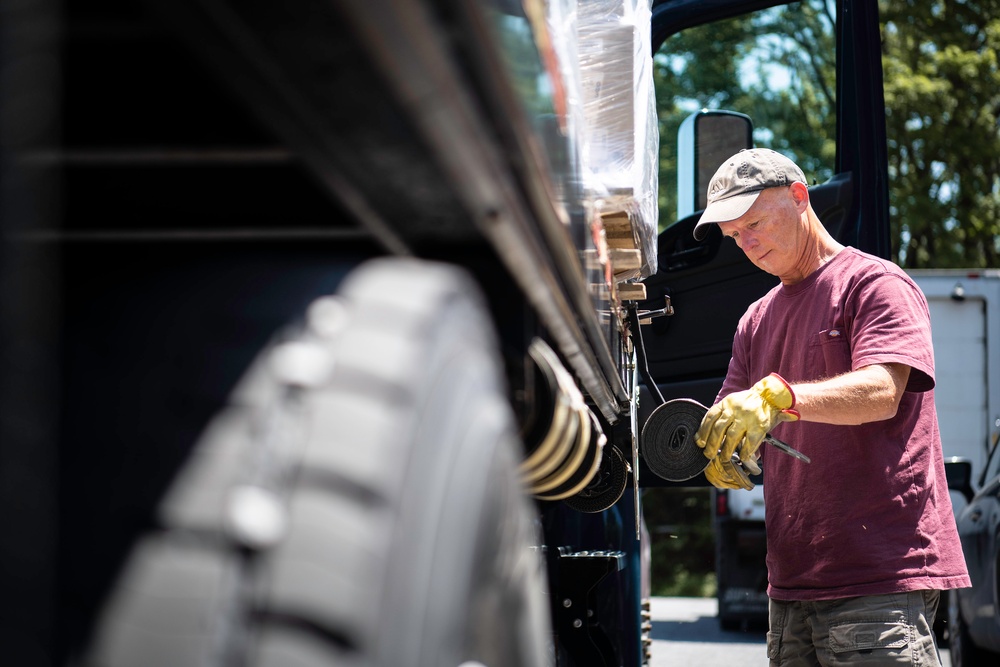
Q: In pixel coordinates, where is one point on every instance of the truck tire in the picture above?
(356, 503)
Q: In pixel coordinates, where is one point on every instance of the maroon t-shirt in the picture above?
(871, 514)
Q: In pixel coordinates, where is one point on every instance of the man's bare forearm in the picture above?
(866, 395)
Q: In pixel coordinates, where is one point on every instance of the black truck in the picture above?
(328, 329)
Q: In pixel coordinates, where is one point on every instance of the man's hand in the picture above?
(727, 475)
(742, 420)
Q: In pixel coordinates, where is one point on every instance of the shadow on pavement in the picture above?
(705, 629)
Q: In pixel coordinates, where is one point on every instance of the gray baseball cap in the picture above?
(738, 182)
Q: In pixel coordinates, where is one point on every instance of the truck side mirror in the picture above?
(704, 140)
(958, 472)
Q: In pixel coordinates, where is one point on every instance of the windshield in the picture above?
(777, 66)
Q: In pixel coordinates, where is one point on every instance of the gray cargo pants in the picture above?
(894, 629)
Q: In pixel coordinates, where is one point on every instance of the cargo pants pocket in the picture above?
(774, 647)
(776, 616)
(870, 642)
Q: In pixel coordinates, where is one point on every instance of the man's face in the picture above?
(770, 232)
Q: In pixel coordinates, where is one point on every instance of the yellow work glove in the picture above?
(743, 419)
(727, 475)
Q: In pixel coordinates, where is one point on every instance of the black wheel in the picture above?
(964, 652)
(357, 503)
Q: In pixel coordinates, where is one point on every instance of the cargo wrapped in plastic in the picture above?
(620, 123)
(567, 96)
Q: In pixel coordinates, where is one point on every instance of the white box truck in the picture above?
(965, 325)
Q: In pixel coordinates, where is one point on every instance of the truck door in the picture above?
(808, 76)
(802, 78)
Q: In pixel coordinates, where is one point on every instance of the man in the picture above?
(836, 361)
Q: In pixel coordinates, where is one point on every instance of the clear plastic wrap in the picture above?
(620, 133)
(567, 96)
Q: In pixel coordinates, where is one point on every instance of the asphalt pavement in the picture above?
(686, 633)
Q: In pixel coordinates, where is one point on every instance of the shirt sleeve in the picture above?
(891, 324)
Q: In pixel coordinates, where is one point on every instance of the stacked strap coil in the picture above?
(564, 439)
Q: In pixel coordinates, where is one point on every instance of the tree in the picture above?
(682, 539)
(776, 66)
(942, 89)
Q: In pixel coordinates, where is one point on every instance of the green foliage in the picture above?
(682, 540)
(942, 90)
(775, 66)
